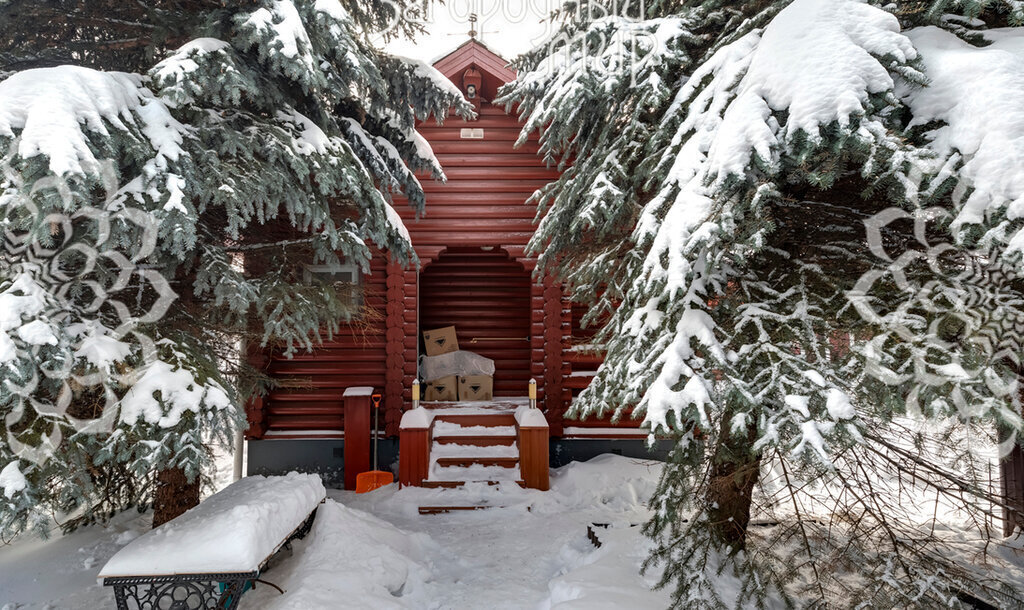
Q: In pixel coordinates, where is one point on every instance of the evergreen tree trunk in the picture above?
(173, 495)
(734, 472)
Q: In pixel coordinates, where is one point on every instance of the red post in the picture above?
(357, 433)
(533, 450)
(413, 456)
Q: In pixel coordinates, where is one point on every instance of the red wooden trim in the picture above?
(395, 350)
(473, 52)
(533, 457)
(357, 437)
(413, 456)
(553, 334)
(255, 407)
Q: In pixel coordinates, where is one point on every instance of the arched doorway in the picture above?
(485, 294)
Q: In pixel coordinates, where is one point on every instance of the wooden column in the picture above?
(394, 348)
(533, 455)
(410, 342)
(413, 455)
(553, 335)
(537, 338)
(357, 433)
(254, 407)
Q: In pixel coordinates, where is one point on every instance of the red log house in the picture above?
(473, 274)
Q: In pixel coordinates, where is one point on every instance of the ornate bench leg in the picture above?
(183, 592)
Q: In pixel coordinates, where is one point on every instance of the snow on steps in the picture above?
(472, 445)
(474, 451)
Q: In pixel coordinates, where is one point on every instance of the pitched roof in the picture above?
(475, 53)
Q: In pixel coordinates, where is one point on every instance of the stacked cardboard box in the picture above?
(442, 341)
(476, 387)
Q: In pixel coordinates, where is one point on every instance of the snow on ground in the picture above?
(60, 573)
(533, 552)
(375, 550)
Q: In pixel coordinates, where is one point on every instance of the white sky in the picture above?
(509, 27)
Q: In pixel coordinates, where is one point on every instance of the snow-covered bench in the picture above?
(206, 557)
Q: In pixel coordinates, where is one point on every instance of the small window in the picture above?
(343, 273)
(346, 274)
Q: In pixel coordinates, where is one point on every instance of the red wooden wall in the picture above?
(316, 380)
(486, 296)
(473, 273)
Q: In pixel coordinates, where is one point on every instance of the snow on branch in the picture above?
(53, 110)
(974, 95)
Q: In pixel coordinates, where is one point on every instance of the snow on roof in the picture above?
(52, 108)
(234, 530)
(470, 41)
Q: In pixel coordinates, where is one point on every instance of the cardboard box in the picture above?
(443, 389)
(476, 387)
(441, 341)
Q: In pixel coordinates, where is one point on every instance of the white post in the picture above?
(533, 393)
(239, 454)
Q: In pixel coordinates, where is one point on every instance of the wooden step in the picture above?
(481, 419)
(477, 441)
(438, 510)
(504, 462)
(456, 484)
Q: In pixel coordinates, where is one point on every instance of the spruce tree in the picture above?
(181, 206)
(728, 168)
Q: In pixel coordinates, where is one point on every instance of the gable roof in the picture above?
(475, 53)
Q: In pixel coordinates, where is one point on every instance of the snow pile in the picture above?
(12, 480)
(976, 92)
(231, 531)
(608, 577)
(416, 418)
(53, 108)
(530, 418)
(501, 558)
(611, 482)
(375, 551)
(351, 559)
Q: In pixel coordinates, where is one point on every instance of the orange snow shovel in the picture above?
(368, 481)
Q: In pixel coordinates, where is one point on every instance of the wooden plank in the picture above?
(503, 462)
(533, 457)
(413, 456)
(357, 437)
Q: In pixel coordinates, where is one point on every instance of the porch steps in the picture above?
(457, 484)
(472, 445)
(478, 441)
(468, 462)
(485, 420)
